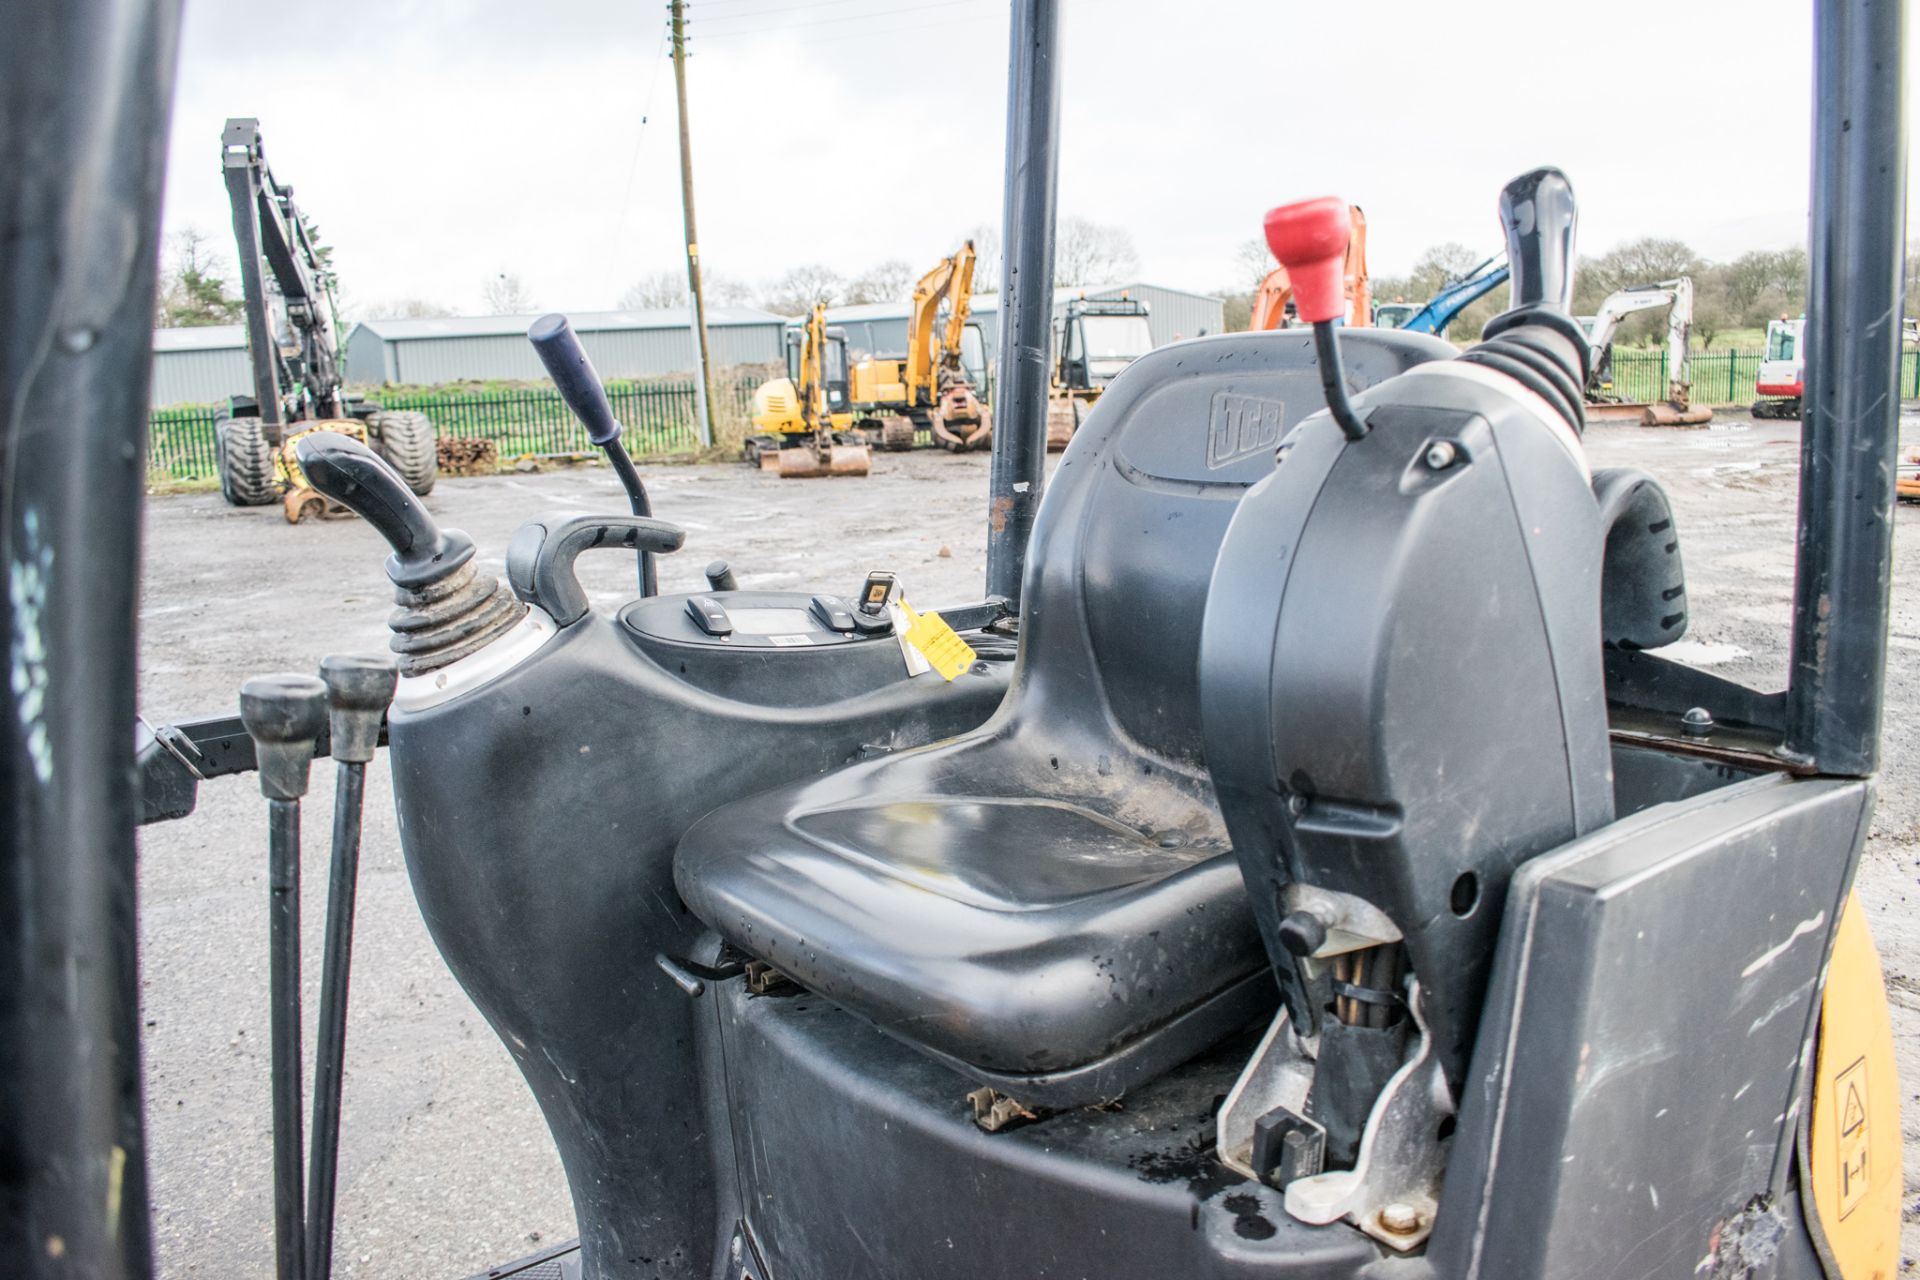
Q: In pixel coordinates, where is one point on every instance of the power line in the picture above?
(883, 31)
(639, 139)
(825, 22)
(745, 14)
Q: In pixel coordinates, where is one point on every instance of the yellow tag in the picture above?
(939, 643)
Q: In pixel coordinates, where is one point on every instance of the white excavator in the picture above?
(1677, 409)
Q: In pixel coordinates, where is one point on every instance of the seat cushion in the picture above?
(1040, 943)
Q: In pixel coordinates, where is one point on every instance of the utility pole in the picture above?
(703, 390)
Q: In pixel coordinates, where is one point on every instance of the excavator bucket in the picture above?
(807, 461)
(1665, 413)
(849, 460)
(800, 463)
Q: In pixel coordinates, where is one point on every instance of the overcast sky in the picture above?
(438, 143)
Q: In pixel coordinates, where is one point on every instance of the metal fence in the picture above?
(658, 419)
(1719, 377)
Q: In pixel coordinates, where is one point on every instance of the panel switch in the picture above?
(708, 615)
(832, 612)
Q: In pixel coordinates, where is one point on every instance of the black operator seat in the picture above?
(1050, 903)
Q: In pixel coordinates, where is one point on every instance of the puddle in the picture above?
(1702, 653)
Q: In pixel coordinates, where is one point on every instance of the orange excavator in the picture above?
(1271, 304)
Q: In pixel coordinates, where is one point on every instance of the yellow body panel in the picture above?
(878, 381)
(1854, 1145)
(299, 499)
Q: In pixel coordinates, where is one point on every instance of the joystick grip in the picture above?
(559, 349)
(1538, 213)
(1310, 239)
(355, 477)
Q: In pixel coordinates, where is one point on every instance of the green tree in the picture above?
(194, 290)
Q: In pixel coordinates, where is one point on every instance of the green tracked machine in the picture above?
(1317, 871)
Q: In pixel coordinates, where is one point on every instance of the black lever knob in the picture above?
(358, 688)
(559, 349)
(283, 714)
(355, 477)
(1539, 215)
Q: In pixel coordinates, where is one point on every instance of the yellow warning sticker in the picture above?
(939, 643)
(1850, 1087)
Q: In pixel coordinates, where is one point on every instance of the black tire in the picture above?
(405, 439)
(244, 460)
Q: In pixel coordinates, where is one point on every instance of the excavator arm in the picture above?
(273, 236)
(1677, 297)
(950, 281)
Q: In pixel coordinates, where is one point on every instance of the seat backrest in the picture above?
(1125, 540)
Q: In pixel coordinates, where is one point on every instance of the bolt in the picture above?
(1399, 1219)
(1441, 454)
(1697, 721)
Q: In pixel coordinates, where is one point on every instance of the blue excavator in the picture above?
(1454, 297)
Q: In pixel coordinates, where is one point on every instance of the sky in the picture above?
(439, 143)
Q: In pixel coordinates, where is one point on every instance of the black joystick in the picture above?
(559, 349)
(1536, 342)
(1538, 212)
(446, 609)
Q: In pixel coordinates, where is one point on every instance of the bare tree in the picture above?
(889, 281)
(507, 295)
(802, 288)
(1253, 262)
(724, 290)
(194, 288)
(655, 291)
(406, 309)
(1087, 252)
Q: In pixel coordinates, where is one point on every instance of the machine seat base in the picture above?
(1060, 948)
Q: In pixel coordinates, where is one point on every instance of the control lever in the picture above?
(359, 479)
(359, 689)
(447, 608)
(1310, 239)
(1538, 213)
(559, 349)
(283, 714)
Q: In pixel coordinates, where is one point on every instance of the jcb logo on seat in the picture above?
(1240, 426)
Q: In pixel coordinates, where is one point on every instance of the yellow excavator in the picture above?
(803, 422)
(930, 387)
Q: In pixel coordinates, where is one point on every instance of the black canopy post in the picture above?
(85, 91)
(1026, 292)
(1851, 417)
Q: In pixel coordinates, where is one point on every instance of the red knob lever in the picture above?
(1310, 239)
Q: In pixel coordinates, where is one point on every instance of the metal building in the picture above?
(622, 344)
(200, 366)
(880, 328)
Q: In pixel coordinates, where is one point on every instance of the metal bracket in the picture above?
(1279, 1076)
(1393, 1189)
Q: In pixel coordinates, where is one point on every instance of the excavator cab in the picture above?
(1098, 338)
(833, 362)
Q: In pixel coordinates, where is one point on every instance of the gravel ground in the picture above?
(445, 1162)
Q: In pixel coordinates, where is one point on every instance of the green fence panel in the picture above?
(180, 442)
(659, 419)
